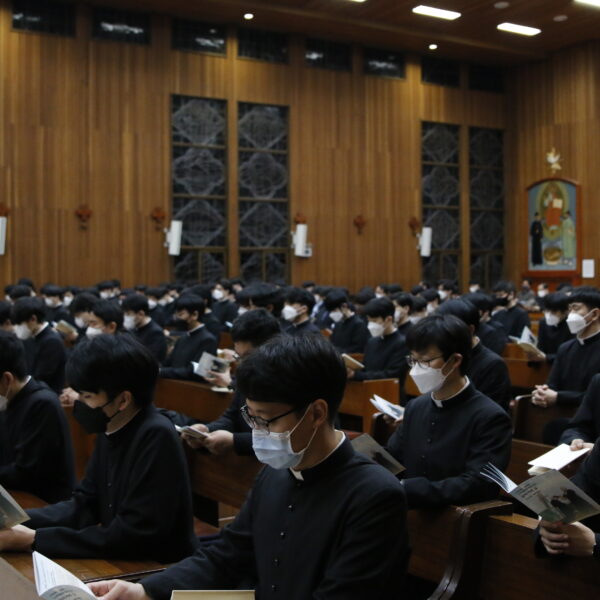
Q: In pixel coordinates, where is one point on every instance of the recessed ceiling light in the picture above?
(560, 18)
(358, 0)
(502, 5)
(590, 2)
(433, 46)
(520, 29)
(439, 13)
(248, 16)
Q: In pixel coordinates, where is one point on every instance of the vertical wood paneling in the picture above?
(87, 122)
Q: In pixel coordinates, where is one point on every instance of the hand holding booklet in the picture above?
(209, 363)
(191, 432)
(557, 458)
(551, 495)
(11, 513)
(387, 408)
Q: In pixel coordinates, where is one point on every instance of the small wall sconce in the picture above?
(359, 222)
(158, 215)
(84, 214)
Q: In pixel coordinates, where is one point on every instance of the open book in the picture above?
(387, 408)
(212, 595)
(366, 445)
(209, 363)
(191, 432)
(528, 342)
(352, 363)
(53, 582)
(65, 327)
(557, 458)
(11, 513)
(550, 495)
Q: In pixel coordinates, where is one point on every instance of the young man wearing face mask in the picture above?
(45, 351)
(55, 309)
(577, 360)
(418, 310)
(134, 501)
(350, 333)
(446, 289)
(191, 345)
(137, 320)
(553, 329)
(509, 313)
(106, 317)
(224, 307)
(81, 310)
(297, 310)
(386, 350)
(491, 333)
(157, 302)
(36, 454)
(452, 430)
(321, 521)
(403, 305)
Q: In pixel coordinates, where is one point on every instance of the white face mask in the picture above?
(3, 403)
(379, 295)
(415, 319)
(67, 301)
(397, 315)
(92, 332)
(49, 302)
(80, 322)
(443, 294)
(336, 315)
(105, 295)
(275, 449)
(317, 298)
(542, 293)
(22, 331)
(242, 310)
(217, 295)
(473, 289)
(427, 379)
(576, 322)
(551, 319)
(430, 308)
(163, 302)
(376, 329)
(152, 304)
(289, 313)
(129, 322)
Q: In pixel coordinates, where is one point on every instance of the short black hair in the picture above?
(415, 290)
(109, 312)
(25, 308)
(564, 287)
(107, 284)
(20, 291)
(556, 301)
(430, 295)
(419, 304)
(403, 299)
(113, 364)
(448, 284)
(12, 355)
(393, 288)
(260, 294)
(135, 302)
(335, 299)
(49, 289)
(463, 309)
(483, 302)
(586, 294)
(307, 284)
(255, 326)
(83, 302)
(300, 296)
(446, 332)
(192, 303)
(364, 296)
(226, 285)
(294, 370)
(26, 281)
(379, 307)
(156, 292)
(507, 287)
(5, 310)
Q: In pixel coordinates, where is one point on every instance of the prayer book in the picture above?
(209, 363)
(11, 513)
(557, 458)
(53, 582)
(366, 445)
(550, 495)
(352, 363)
(65, 327)
(528, 342)
(191, 432)
(387, 408)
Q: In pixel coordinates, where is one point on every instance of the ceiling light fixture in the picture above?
(248, 16)
(358, 0)
(438, 13)
(590, 2)
(520, 29)
(433, 46)
(560, 18)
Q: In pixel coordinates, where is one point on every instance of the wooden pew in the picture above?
(83, 443)
(529, 420)
(510, 570)
(522, 452)
(446, 546)
(225, 340)
(525, 375)
(357, 394)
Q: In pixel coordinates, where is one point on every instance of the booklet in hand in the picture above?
(366, 445)
(352, 363)
(53, 582)
(65, 327)
(387, 408)
(191, 432)
(550, 495)
(209, 363)
(557, 458)
(11, 513)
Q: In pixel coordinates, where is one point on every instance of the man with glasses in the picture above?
(321, 521)
(452, 430)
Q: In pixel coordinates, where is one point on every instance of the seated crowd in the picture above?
(319, 509)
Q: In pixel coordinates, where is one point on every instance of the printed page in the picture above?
(558, 457)
(208, 363)
(366, 445)
(191, 431)
(392, 410)
(352, 363)
(53, 582)
(11, 513)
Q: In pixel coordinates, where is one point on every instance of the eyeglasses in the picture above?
(260, 423)
(422, 363)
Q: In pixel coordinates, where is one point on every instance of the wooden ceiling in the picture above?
(391, 23)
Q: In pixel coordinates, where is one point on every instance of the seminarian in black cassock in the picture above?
(135, 500)
(553, 328)
(350, 333)
(585, 424)
(321, 521)
(137, 320)
(512, 317)
(36, 454)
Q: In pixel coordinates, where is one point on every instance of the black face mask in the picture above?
(501, 301)
(93, 420)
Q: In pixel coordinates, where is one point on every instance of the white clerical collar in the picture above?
(44, 325)
(298, 474)
(582, 340)
(440, 403)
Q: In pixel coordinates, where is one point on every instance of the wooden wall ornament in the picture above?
(84, 214)
(359, 222)
(158, 215)
(300, 219)
(553, 160)
(415, 226)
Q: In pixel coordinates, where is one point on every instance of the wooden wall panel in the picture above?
(87, 122)
(554, 103)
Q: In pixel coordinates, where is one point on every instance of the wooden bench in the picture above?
(525, 375)
(225, 340)
(83, 443)
(511, 571)
(529, 420)
(357, 395)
